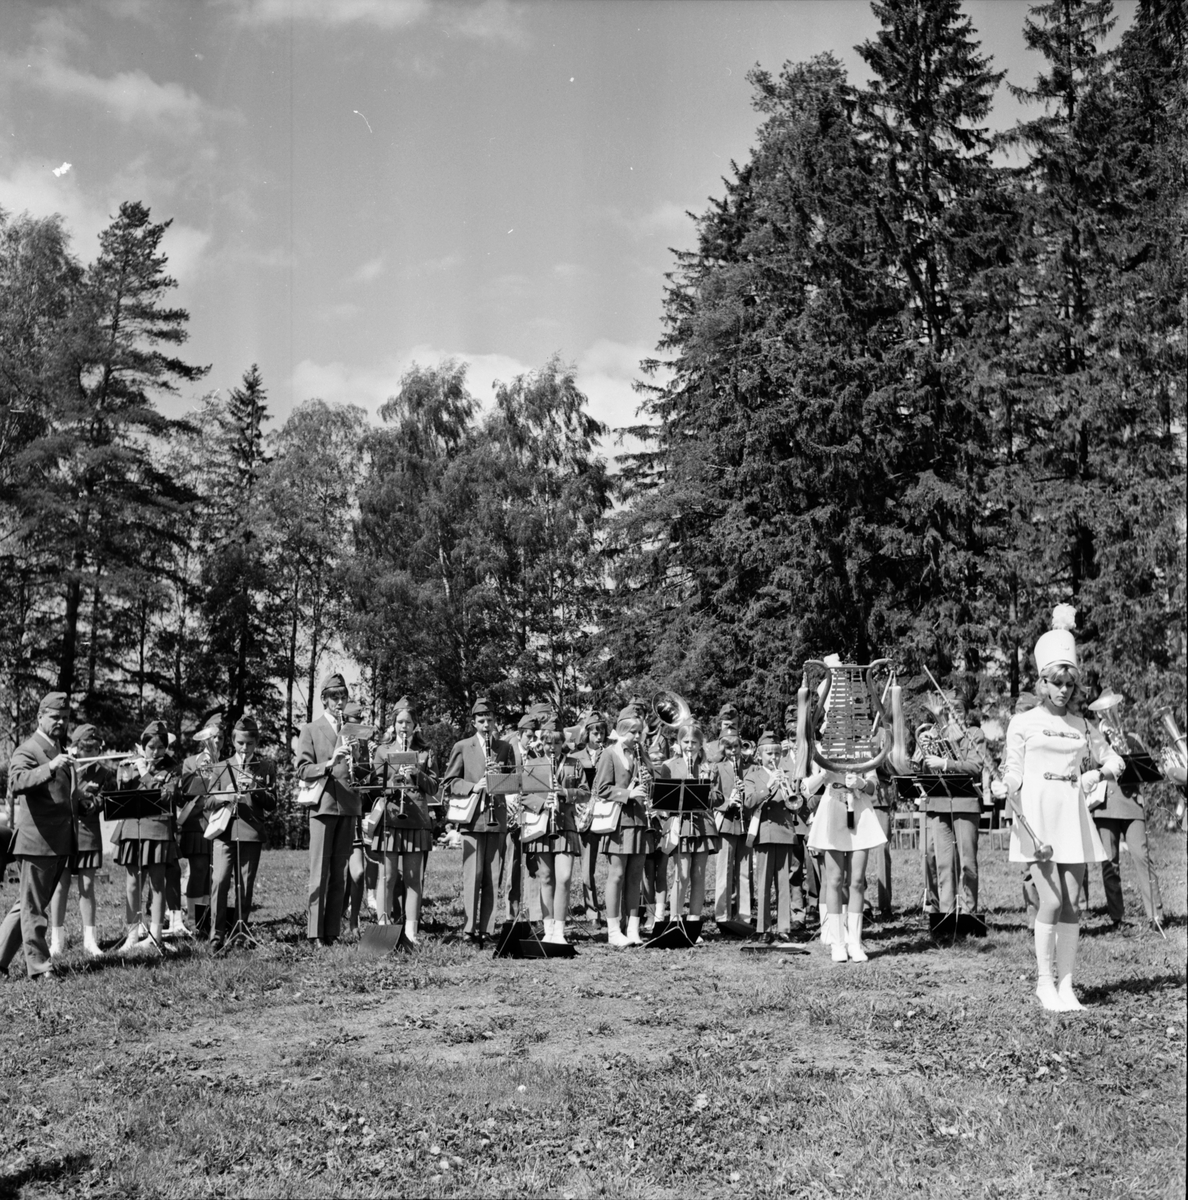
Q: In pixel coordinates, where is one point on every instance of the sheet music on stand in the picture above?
(134, 804)
(682, 795)
(532, 779)
(925, 786)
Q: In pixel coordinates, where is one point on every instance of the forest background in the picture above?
(918, 383)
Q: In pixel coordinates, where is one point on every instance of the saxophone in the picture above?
(583, 807)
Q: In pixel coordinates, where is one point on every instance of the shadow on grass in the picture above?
(12, 1183)
(112, 961)
(1143, 986)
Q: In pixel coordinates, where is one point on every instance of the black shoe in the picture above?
(474, 939)
(784, 938)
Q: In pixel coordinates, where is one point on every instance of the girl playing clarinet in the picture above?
(558, 846)
(406, 831)
(624, 775)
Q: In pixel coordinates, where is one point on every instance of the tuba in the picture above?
(672, 711)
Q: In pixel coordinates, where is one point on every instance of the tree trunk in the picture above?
(291, 666)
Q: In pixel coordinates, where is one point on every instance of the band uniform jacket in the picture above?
(1123, 802)
(257, 796)
(88, 807)
(777, 823)
(408, 803)
(45, 800)
(733, 823)
(572, 790)
(613, 780)
(800, 819)
(315, 748)
(969, 760)
(164, 774)
(467, 769)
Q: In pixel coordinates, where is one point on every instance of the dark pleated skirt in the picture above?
(85, 860)
(151, 853)
(565, 841)
(193, 845)
(634, 839)
(404, 841)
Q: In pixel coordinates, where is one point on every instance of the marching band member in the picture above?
(592, 745)
(148, 844)
(1120, 816)
(807, 895)
(883, 803)
(623, 776)
(249, 784)
(844, 827)
(197, 771)
(87, 856)
(360, 763)
(483, 835)
(949, 748)
(654, 884)
(767, 794)
(1048, 772)
(324, 761)
(557, 847)
(406, 833)
(731, 826)
(698, 836)
(41, 778)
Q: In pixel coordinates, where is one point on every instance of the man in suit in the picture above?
(323, 757)
(250, 783)
(42, 780)
(483, 835)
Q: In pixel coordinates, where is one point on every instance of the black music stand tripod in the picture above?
(239, 929)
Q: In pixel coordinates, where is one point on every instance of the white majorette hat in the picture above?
(1058, 647)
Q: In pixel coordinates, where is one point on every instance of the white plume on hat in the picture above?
(1058, 647)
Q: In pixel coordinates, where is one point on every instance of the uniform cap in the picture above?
(54, 702)
(82, 733)
(334, 682)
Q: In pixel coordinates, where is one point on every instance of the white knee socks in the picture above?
(1067, 933)
(1045, 949)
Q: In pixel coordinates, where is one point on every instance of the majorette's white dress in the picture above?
(829, 830)
(1045, 756)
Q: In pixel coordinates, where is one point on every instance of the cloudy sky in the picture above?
(358, 184)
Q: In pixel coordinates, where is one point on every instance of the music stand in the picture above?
(532, 779)
(137, 804)
(1140, 768)
(379, 940)
(675, 798)
(518, 939)
(240, 928)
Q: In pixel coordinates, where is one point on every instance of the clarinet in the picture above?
(492, 765)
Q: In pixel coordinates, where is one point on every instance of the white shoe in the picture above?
(91, 947)
(1067, 998)
(177, 925)
(837, 938)
(1046, 992)
(633, 935)
(559, 937)
(57, 941)
(616, 937)
(854, 938)
(131, 944)
(410, 936)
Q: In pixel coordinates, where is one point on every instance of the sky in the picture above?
(357, 185)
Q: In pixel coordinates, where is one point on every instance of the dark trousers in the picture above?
(223, 857)
(880, 860)
(482, 865)
(775, 862)
(590, 842)
(27, 922)
(1134, 830)
(329, 849)
(954, 840)
(513, 871)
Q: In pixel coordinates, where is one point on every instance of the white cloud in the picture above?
(131, 97)
(433, 266)
(369, 387)
(605, 372)
(665, 219)
(29, 187)
(487, 20)
(373, 268)
(385, 14)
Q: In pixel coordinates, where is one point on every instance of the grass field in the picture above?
(711, 1072)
